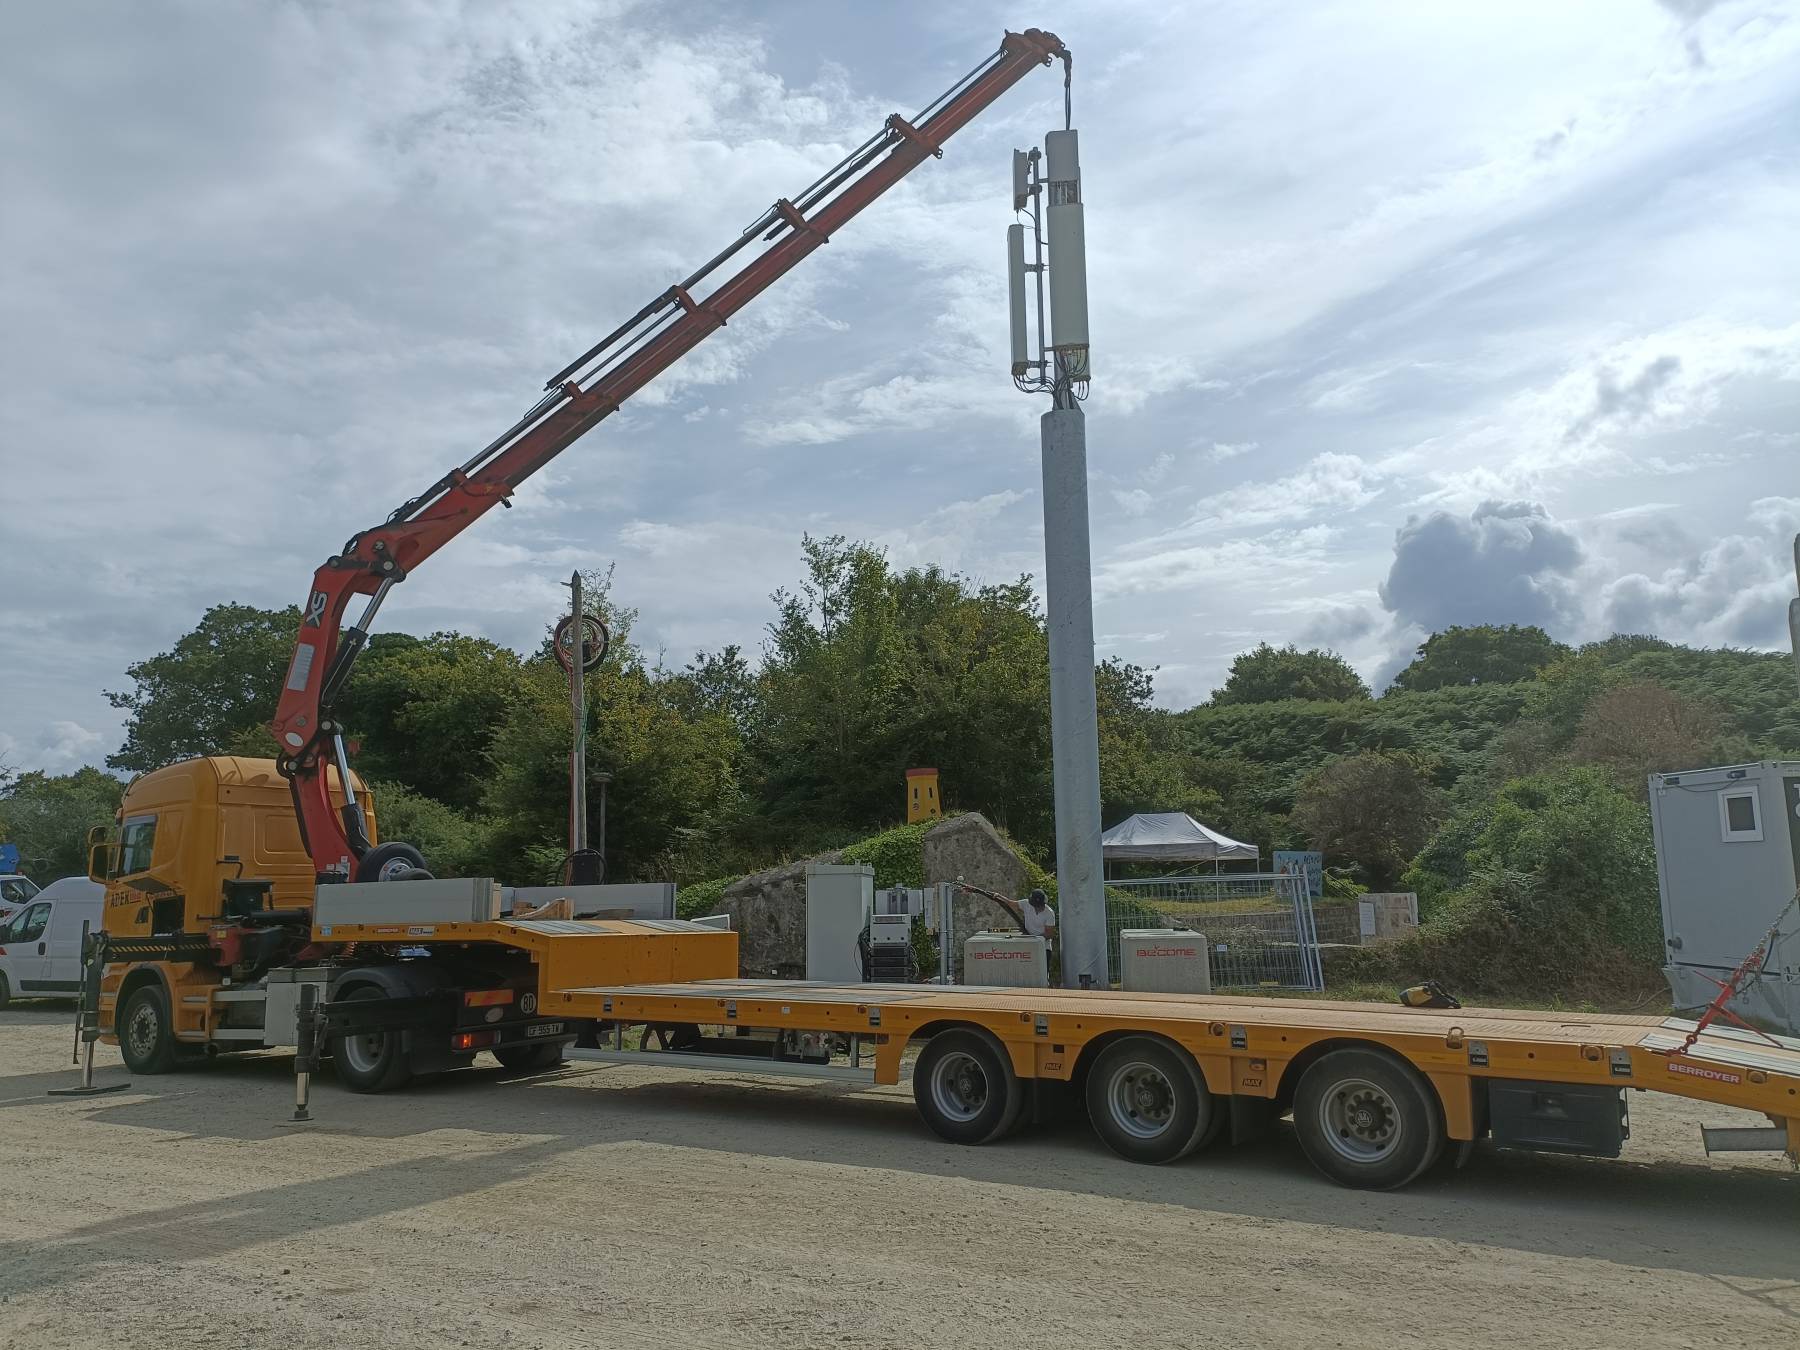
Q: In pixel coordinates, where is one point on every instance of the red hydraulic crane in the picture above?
(579, 397)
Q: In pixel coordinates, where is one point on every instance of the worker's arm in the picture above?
(579, 397)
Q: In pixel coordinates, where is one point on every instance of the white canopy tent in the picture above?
(1171, 836)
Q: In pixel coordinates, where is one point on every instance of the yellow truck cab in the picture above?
(200, 838)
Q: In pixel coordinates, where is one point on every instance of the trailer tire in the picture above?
(965, 1087)
(146, 1032)
(1367, 1120)
(375, 1062)
(1149, 1102)
(530, 1058)
(389, 862)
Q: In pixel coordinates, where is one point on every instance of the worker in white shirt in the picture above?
(1037, 918)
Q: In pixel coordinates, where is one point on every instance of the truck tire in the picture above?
(146, 1031)
(373, 1062)
(1367, 1120)
(965, 1087)
(1148, 1101)
(386, 862)
(529, 1058)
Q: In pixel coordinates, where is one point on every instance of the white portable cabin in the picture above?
(1727, 861)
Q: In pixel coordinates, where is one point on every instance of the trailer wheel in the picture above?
(386, 862)
(966, 1089)
(1149, 1102)
(374, 1061)
(146, 1033)
(1367, 1120)
(529, 1058)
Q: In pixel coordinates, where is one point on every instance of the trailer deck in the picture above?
(1249, 1050)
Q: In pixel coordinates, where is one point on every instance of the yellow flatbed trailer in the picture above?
(1377, 1092)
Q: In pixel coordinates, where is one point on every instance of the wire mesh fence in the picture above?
(1259, 926)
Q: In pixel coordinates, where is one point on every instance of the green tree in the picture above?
(48, 817)
(1480, 654)
(673, 777)
(1267, 674)
(426, 711)
(214, 688)
(1376, 808)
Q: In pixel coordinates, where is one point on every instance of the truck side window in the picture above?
(29, 926)
(136, 839)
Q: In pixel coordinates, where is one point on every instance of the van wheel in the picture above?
(1366, 1120)
(5, 991)
(374, 1061)
(965, 1087)
(1148, 1100)
(146, 1038)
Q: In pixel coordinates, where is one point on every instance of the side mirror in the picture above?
(99, 861)
(96, 835)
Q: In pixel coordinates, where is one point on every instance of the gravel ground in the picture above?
(623, 1207)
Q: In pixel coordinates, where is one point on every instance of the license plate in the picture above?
(545, 1029)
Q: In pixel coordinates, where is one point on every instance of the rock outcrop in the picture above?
(768, 911)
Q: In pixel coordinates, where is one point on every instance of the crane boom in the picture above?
(577, 398)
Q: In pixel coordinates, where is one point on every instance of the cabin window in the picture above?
(136, 838)
(1740, 816)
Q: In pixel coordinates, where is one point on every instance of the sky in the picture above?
(1403, 315)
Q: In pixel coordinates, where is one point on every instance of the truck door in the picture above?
(27, 946)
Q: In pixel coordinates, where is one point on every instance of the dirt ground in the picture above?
(622, 1207)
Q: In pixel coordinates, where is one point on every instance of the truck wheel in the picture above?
(1148, 1100)
(1367, 1120)
(529, 1058)
(385, 862)
(374, 1061)
(146, 1036)
(966, 1089)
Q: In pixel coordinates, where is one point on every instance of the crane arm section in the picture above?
(577, 398)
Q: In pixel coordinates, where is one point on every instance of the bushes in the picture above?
(898, 855)
(702, 898)
(1558, 894)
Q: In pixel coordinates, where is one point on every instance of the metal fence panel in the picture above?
(1259, 926)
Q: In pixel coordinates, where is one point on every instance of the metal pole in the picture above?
(87, 1019)
(1074, 729)
(600, 837)
(306, 1050)
(578, 711)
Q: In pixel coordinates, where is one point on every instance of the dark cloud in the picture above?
(1734, 591)
(1629, 400)
(1338, 626)
(1505, 562)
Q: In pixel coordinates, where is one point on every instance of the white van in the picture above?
(40, 943)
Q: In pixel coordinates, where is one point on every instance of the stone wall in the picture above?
(768, 909)
(768, 912)
(967, 848)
